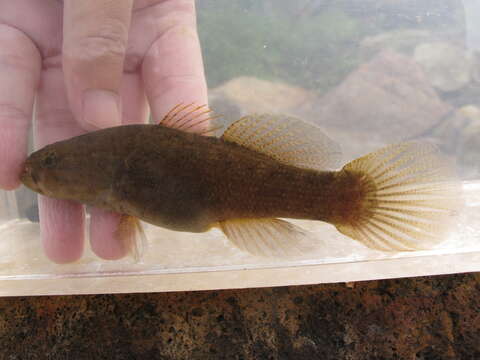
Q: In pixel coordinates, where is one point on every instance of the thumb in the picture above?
(95, 35)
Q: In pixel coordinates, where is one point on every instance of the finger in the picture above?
(135, 106)
(104, 236)
(104, 239)
(20, 65)
(62, 229)
(95, 41)
(61, 222)
(173, 67)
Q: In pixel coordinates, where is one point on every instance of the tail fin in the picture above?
(411, 198)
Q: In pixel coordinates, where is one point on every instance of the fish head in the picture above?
(48, 171)
(64, 171)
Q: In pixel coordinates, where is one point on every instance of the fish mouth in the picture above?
(28, 178)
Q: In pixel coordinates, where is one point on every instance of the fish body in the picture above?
(263, 168)
(184, 181)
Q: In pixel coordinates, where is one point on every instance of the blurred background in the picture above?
(368, 72)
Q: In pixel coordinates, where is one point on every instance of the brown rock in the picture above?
(253, 95)
(403, 40)
(469, 149)
(448, 67)
(224, 107)
(388, 98)
(458, 135)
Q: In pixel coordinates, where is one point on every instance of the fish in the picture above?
(263, 170)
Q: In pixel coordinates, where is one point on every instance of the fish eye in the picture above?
(50, 160)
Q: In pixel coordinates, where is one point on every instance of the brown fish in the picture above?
(263, 168)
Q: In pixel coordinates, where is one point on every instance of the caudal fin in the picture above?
(411, 198)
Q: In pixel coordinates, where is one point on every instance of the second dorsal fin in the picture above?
(286, 139)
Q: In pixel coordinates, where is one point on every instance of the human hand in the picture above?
(88, 65)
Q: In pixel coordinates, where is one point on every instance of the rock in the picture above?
(246, 95)
(469, 149)
(475, 66)
(249, 95)
(404, 40)
(447, 66)
(448, 132)
(471, 111)
(469, 94)
(459, 135)
(227, 110)
(386, 100)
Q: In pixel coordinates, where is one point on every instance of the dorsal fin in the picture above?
(191, 118)
(286, 139)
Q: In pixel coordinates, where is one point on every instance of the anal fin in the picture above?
(267, 237)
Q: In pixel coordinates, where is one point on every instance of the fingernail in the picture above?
(101, 108)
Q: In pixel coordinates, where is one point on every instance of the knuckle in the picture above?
(133, 60)
(107, 44)
(173, 82)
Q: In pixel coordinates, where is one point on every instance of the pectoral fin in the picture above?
(264, 237)
(130, 233)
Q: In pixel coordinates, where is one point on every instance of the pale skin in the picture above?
(88, 65)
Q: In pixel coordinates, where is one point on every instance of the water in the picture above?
(369, 73)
